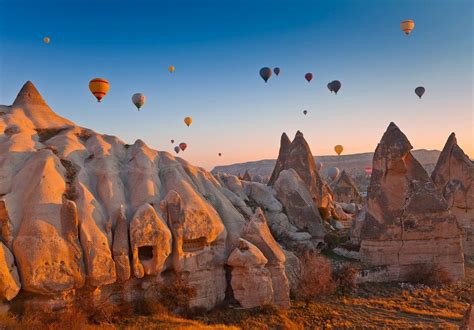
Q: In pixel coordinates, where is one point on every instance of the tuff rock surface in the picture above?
(297, 155)
(454, 178)
(345, 189)
(407, 224)
(81, 210)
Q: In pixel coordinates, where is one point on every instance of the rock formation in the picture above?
(345, 189)
(454, 178)
(297, 155)
(251, 281)
(81, 211)
(407, 224)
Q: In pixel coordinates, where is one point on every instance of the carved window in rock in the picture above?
(145, 252)
(191, 245)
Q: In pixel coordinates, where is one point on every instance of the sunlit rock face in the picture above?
(407, 223)
(82, 211)
(297, 155)
(454, 178)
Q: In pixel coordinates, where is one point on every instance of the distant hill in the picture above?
(355, 164)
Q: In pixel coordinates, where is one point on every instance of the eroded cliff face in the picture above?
(407, 222)
(82, 211)
(454, 178)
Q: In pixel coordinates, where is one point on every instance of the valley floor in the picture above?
(371, 305)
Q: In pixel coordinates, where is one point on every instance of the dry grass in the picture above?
(369, 306)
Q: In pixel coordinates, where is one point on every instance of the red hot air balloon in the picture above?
(368, 171)
(183, 146)
(265, 73)
(177, 149)
(308, 76)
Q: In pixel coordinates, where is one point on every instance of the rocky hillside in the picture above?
(354, 164)
(83, 212)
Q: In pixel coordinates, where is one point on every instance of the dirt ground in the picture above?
(370, 306)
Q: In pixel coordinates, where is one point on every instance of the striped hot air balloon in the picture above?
(99, 88)
(407, 26)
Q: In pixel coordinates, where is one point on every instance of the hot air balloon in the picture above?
(46, 40)
(420, 91)
(188, 121)
(334, 86)
(177, 149)
(338, 149)
(265, 73)
(319, 166)
(139, 100)
(305, 112)
(407, 26)
(183, 146)
(308, 76)
(220, 154)
(368, 171)
(171, 68)
(172, 141)
(277, 71)
(99, 87)
(333, 172)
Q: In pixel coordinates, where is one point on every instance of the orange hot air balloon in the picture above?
(46, 40)
(99, 88)
(407, 26)
(188, 121)
(338, 149)
(171, 68)
(183, 146)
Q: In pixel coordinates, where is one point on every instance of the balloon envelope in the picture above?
(220, 154)
(265, 73)
(305, 112)
(139, 100)
(171, 68)
(172, 141)
(277, 71)
(338, 149)
(188, 121)
(407, 26)
(334, 86)
(177, 149)
(420, 91)
(46, 40)
(333, 172)
(308, 76)
(99, 88)
(368, 171)
(183, 146)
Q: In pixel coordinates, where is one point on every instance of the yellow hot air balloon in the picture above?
(338, 149)
(188, 121)
(99, 87)
(407, 26)
(171, 69)
(46, 40)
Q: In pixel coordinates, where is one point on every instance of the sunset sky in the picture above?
(218, 48)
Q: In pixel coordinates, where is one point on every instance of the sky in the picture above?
(218, 48)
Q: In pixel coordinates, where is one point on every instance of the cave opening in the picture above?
(145, 252)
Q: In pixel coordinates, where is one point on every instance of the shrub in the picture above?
(345, 278)
(175, 296)
(428, 274)
(315, 276)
